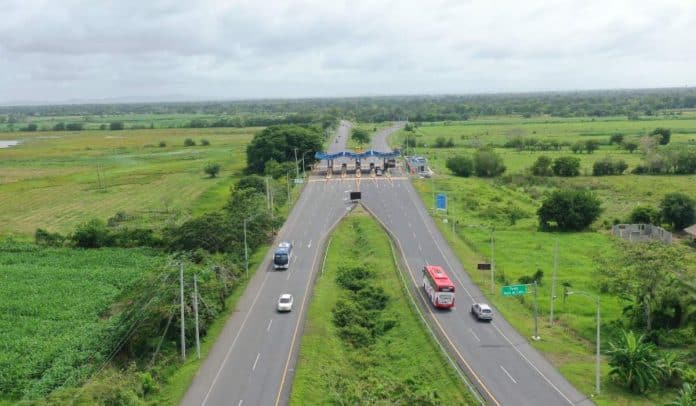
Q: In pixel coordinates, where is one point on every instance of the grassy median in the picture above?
(398, 364)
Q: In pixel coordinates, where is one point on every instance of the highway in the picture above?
(253, 360)
(499, 361)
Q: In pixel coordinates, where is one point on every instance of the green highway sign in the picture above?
(514, 290)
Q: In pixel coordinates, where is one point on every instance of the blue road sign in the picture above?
(441, 201)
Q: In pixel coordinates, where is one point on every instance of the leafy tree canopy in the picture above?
(570, 210)
(279, 143)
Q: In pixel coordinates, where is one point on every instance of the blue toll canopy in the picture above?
(355, 155)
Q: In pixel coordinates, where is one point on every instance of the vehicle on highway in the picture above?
(283, 255)
(438, 286)
(285, 302)
(482, 311)
(378, 171)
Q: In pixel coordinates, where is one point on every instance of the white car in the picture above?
(285, 302)
(482, 311)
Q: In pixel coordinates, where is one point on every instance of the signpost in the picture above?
(483, 267)
(518, 290)
(299, 181)
(441, 201)
(514, 290)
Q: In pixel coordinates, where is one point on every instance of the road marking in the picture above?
(269, 325)
(240, 402)
(508, 374)
(475, 336)
(420, 248)
(289, 274)
(310, 244)
(410, 225)
(257, 360)
(414, 234)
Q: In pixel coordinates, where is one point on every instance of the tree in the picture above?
(487, 163)
(687, 396)
(189, 142)
(59, 127)
(570, 210)
(578, 147)
(634, 363)
(31, 127)
(678, 210)
(566, 166)
(608, 166)
(644, 215)
(664, 133)
(73, 127)
(542, 166)
(212, 169)
(460, 165)
(116, 125)
(616, 138)
(591, 146)
(91, 234)
(279, 142)
(360, 136)
(630, 146)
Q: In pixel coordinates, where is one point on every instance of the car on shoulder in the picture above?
(482, 311)
(285, 302)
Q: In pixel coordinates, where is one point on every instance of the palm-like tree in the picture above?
(687, 396)
(635, 363)
(672, 369)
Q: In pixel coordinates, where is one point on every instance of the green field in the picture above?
(479, 205)
(56, 180)
(54, 312)
(405, 359)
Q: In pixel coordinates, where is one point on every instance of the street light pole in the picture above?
(246, 251)
(597, 355)
(492, 264)
(297, 169)
(304, 174)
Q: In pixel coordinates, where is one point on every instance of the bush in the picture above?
(616, 138)
(630, 146)
(162, 144)
(212, 169)
(92, 234)
(73, 127)
(578, 147)
(279, 142)
(205, 142)
(354, 278)
(678, 210)
(542, 166)
(570, 210)
(591, 146)
(460, 165)
(441, 142)
(487, 163)
(608, 166)
(189, 142)
(116, 125)
(566, 166)
(644, 215)
(664, 133)
(43, 237)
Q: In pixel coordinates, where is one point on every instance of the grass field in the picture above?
(53, 311)
(330, 372)
(56, 180)
(479, 205)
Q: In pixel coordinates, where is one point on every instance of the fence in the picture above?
(642, 232)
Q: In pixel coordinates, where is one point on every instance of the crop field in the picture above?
(481, 205)
(402, 364)
(54, 180)
(54, 312)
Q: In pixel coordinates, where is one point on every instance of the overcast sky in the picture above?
(62, 51)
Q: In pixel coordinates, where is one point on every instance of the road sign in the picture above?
(355, 195)
(441, 201)
(299, 181)
(514, 290)
(483, 267)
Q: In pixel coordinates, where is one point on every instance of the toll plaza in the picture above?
(344, 162)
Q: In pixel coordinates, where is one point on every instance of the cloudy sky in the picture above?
(63, 51)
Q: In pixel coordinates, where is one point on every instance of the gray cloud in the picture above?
(55, 51)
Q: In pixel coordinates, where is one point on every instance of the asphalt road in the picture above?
(499, 361)
(253, 359)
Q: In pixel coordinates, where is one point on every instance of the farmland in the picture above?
(481, 206)
(55, 312)
(56, 180)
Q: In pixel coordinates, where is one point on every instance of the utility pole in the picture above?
(536, 314)
(492, 265)
(195, 309)
(246, 251)
(268, 195)
(297, 169)
(553, 281)
(287, 175)
(183, 334)
(597, 355)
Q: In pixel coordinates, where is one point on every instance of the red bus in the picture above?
(438, 286)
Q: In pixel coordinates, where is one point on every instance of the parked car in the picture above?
(482, 311)
(285, 302)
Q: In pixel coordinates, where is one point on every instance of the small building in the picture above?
(691, 231)
(642, 232)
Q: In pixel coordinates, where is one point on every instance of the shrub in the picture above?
(578, 147)
(279, 142)
(487, 163)
(43, 237)
(566, 166)
(664, 133)
(162, 144)
(441, 142)
(189, 142)
(116, 125)
(678, 210)
(205, 142)
(73, 127)
(354, 278)
(542, 166)
(571, 210)
(460, 165)
(92, 234)
(591, 146)
(616, 138)
(608, 166)
(630, 146)
(644, 215)
(212, 169)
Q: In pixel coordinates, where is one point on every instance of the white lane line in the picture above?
(310, 244)
(269, 325)
(257, 360)
(508, 374)
(420, 248)
(414, 234)
(410, 225)
(240, 402)
(475, 336)
(289, 274)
